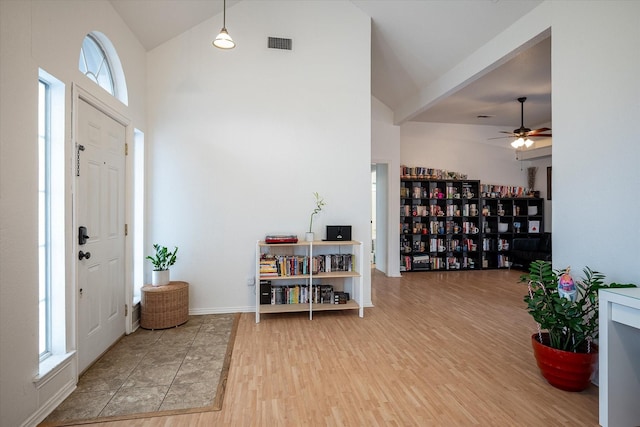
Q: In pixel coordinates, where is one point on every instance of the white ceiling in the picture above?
(414, 42)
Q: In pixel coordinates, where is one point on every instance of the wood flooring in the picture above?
(438, 349)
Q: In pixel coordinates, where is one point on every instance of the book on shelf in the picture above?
(298, 294)
(283, 265)
(326, 294)
(340, 297)
(405, 263)
(493, 191)
(332, 263)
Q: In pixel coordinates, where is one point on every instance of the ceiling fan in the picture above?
(522, 134)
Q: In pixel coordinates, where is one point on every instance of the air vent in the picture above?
(280, 43)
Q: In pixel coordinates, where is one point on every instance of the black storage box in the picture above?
(265, 292)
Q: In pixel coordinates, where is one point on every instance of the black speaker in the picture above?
(338, 232)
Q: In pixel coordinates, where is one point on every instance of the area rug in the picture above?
(155, 373)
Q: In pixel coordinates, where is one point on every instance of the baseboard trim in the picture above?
(222, 310)
(246, 309)
(44, 411)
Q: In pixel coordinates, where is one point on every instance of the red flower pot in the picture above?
(565, 370)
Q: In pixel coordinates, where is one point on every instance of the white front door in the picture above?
(100, 208)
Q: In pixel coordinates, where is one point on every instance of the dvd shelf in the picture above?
(440, 224)
(308, 276)
(505, 218)
(459, 224)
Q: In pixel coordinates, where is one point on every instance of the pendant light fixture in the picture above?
(224, 40)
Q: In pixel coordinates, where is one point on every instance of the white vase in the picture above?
(308, 236)
(159, 277)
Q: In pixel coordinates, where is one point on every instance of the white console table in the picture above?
(619, 357)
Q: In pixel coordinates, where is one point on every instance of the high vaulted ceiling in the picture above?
(414, 42)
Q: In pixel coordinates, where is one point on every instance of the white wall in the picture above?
(461, 148)
(49, 35)
(596, 105)
(466, 149)
(239, 140)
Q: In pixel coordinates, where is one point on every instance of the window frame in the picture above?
(59, 317)
(44, 219)
(94, 75)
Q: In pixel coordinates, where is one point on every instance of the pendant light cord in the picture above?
(224, 14)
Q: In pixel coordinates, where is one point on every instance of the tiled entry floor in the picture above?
(151, 371)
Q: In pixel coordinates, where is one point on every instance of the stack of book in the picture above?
(295, 294)
(340, 297)
(268, 266)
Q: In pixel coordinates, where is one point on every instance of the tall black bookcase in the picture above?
(448, 224)
(440, 224)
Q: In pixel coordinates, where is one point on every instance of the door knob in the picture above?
(82, 255)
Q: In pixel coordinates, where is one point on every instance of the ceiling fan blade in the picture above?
(510, 133)
(536, 131)
(540, 134)
(501, 137)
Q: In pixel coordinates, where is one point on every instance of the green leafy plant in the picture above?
(571, 325)
(163, 258)
(319, 205)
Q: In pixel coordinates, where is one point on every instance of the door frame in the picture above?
(386, 192)
(79, 93)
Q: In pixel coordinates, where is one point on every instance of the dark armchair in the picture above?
(524, 250)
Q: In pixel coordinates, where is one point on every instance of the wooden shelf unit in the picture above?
(342, 281)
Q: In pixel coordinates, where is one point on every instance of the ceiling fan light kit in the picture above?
(520, 142)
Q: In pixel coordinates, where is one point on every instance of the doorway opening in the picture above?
(379, 216)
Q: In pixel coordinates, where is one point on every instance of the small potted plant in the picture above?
(161, 263)
(566, 312)
(319, 204)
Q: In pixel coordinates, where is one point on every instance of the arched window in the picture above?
(94, 64)
(100, 62)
